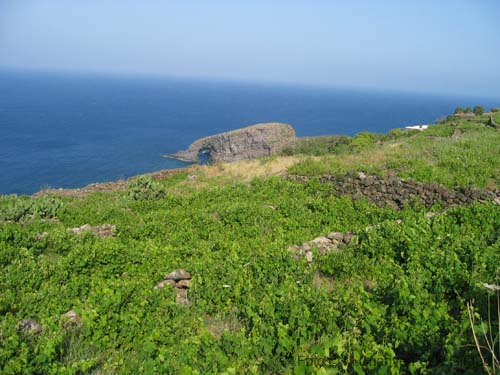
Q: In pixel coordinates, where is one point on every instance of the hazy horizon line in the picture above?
(238, 80)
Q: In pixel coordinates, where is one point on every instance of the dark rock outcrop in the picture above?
(246, 143)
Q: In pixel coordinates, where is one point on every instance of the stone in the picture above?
(323, 244)
(29, 325)
(246, 143)
(105, 230)
(369, 180)
(82, 229)
(269, 206)
(41, 236)
(182, 297)
(183, 284)
(178, 275)
(309, 257)
(71, 317)
(85, 227)
(361, 175)
(321, 241)
(348, 237)
(338, 236)
(306, 246)
(164, 283)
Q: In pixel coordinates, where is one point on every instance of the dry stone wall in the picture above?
(396, 192)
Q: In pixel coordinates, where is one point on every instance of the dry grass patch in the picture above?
(322, 282)
(249, 169)
(217, 325)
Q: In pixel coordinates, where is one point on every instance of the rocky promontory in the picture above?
(246, 143)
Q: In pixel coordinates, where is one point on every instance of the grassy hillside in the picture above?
(391, 301)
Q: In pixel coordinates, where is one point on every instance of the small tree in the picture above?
(458, 111)
(496, 109)
(467, 110)
(478, 110)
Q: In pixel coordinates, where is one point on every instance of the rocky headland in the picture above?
(251, 142)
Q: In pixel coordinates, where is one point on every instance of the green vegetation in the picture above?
(18, 209)
(478, 110)
(145, 188)
(392, 301)
(328, 144)
(458, 152)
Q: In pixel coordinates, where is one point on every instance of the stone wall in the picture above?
(396, 192)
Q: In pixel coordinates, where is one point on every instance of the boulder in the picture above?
(178, 275)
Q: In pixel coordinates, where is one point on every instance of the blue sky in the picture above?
(450, 46)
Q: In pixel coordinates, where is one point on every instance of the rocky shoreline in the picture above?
(108, 186)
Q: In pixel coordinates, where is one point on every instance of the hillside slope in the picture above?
(83, 287)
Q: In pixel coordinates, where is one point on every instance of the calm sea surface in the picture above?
(60, 130)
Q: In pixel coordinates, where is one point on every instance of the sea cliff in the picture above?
(247, 143)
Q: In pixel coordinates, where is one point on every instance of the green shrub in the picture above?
(400, 133)
(363, 140)
(15, 208)
(478, 110)
(145, 188)
(46, 206)
(321, 145)
(496, 109)
(439, 130)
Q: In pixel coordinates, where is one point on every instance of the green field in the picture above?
(391, 301)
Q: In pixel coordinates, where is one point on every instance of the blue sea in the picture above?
(69, 130)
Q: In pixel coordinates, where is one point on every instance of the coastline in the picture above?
(173, 156)
(108, 186)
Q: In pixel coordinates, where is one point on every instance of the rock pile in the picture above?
(105, 230)
(332, 242)
(396, 192)
(180, 280)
